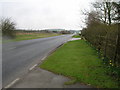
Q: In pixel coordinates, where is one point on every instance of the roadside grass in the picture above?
(28, 36)
(76, 36)
(76, 59)
(34, 36)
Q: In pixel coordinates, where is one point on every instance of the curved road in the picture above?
(18, 57)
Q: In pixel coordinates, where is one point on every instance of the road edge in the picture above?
(34, 66)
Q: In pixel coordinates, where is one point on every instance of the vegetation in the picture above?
(81, 63)
(10, 33)
(7, 27)
(103, 32)
(107, 11)
(76, 36)
(24, 36)
(29, 36)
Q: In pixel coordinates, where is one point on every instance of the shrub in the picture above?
(7, 27)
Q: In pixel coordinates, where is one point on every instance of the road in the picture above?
(18, 57)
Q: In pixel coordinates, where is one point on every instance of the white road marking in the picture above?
(12, 83)
(43, 58)
(33, 67)
(74, 39)
(11, 48)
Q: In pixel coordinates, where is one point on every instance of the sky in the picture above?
(45, 14)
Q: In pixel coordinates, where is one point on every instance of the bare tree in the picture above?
(105, 10)
(100, 7)
(116, 5)
(93, 17)
(109, 9)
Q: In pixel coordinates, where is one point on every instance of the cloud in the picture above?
(41, 14)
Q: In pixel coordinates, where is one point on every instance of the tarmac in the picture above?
(39, 78)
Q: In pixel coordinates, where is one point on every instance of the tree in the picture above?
(101, 9)
(109, 9)
(7, 27)
(117, 11)
(105, 10)
(117, 18)
(93, 18)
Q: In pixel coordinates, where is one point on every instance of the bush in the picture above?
(7, 27)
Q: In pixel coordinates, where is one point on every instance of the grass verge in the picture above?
(76, 59)
(76, 36)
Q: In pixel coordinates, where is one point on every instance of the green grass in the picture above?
(34, 36)
(24, 36)
(76, 36)
(78, 60)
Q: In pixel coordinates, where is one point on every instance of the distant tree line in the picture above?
(42, 31)
(103, 32)
(8, 29)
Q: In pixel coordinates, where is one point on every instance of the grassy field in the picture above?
(28, 36)
(76, 36)
(78, 60)
(34, 36)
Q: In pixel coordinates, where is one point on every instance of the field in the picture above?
(28, 36)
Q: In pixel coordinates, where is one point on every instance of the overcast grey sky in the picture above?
(44, 14)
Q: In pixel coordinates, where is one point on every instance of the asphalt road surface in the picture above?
(18, 57)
